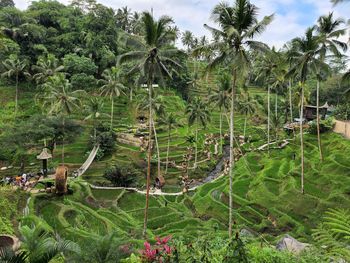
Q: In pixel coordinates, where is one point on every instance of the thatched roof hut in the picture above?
(61, 180)
(160, 182)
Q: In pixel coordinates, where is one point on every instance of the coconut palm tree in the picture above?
(187, 40)
(46, 67)
(14, 67)
(94, 108)
(306, 60)
(60, 99)
(153, 57)
(220, 99)
(329, 33)
(112, 87)
(198, 113)
(238, 27)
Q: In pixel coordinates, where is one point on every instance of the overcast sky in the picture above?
(292, 17)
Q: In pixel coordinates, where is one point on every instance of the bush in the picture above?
(75, 64)
(83, 81)
(342, 112)
(325, 126)
(124, 176)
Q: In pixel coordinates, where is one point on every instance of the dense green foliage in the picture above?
(77, 75)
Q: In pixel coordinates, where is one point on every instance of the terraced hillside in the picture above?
(267, 200)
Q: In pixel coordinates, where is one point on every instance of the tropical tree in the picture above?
(198, 113)
(112, 87)
(38, 244)
(187, 40)
(238, 27)
(306, 61)
(220, 99)
(123, 17)
(14, 67)
(153, 58)
(60, 99)
(329, 33)
(46, 67)
(94, 108)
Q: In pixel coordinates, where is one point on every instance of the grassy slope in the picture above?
(267, 199)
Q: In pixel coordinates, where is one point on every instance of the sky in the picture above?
(292, 17)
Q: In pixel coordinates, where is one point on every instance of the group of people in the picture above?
(22, 181)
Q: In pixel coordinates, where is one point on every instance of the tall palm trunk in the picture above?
(112, 112)
(148, 180)
(157, 146)
(276, 104)
(291, 105)
(245, 124)
(232, 159)
(16, 99)
(63, 135)
(318, 118)
(167, 151)
(268, 119)
(196, 147)
(221, 131)
(302, 137)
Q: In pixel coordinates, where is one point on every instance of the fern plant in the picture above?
(333, 235)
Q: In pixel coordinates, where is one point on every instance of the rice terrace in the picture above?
(174, 131)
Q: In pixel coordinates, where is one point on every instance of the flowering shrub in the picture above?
(161, 251)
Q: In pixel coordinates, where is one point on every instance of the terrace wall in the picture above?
(342, 127)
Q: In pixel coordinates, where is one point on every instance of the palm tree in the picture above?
(335, 2)
(153, 57)
(38, 244)
(187, 40)
(123, 17)
(112, 87)
(198, 113)
(306, 50)
(94, 108)
(60, 99)
(46, 67)
(238, 26)
(220, 98)
(170, 121)
(329, 32)
(14, 67)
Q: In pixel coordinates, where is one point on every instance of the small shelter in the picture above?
(61, 180)
(310, 112)
(44, 156)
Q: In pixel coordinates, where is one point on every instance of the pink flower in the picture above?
(147, 245)
(167, 249)
(166, 239)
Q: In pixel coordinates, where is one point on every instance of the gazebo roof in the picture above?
(44, 155)
(325, 106)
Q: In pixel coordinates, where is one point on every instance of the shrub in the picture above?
(325, 126)
(124, 176)
(83, 81)
(75, 64)
(342, 112)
